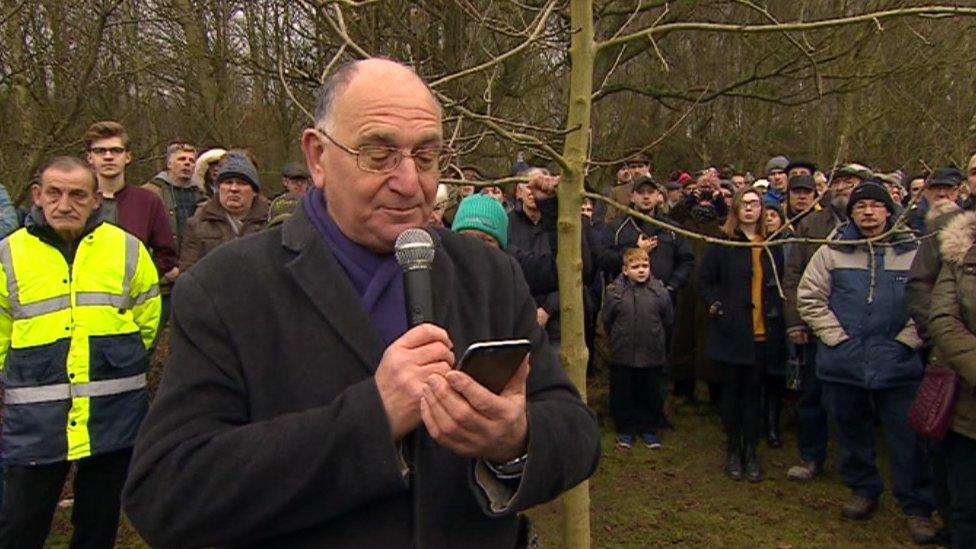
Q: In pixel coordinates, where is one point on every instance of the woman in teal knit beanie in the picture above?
(482, 217)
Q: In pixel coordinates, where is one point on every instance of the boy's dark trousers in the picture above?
(32, 494)
(636, 403)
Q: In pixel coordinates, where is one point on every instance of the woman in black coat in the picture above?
(746, 332)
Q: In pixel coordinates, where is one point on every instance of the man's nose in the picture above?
(405, 178)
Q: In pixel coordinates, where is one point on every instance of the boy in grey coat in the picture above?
(637, 314)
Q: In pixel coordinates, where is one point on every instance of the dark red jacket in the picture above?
(142, 214)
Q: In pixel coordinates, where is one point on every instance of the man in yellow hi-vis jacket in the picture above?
(79, 307)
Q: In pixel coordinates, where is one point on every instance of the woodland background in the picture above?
(580, 84)
(892, 92)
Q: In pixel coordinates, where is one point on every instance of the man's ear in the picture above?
(36, 195)
(314, 149)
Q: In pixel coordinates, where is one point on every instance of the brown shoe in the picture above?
(808, 470)
(859, 508)
(923, 529)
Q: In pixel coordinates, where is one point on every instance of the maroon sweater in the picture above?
(141, 213)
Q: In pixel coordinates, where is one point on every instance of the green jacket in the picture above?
(926, 267)
(952, 320)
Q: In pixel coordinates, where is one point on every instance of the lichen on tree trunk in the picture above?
(576, 502)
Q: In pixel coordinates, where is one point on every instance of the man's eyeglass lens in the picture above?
(384, 159)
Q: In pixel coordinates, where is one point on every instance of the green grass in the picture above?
(677, 496)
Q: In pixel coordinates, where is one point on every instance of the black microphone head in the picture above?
(414, 249)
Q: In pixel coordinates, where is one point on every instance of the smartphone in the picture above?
(492, 363)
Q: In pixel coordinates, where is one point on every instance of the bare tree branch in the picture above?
(873, 17)
(540, 25)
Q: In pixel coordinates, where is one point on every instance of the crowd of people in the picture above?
(838, 285)
(352, 447)
(844, 326)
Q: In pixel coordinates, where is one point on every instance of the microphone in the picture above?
(414, 249)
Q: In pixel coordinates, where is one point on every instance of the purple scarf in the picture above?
(377, 277)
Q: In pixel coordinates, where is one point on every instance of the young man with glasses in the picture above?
(299, 409)
(138, 211)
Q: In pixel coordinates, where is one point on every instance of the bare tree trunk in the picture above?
(576, 502)
(204, 70)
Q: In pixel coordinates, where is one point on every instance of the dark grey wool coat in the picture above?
(268, 429)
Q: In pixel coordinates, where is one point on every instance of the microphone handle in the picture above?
(419, 298)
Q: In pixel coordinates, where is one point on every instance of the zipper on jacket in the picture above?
(633, 333)
(71, 293)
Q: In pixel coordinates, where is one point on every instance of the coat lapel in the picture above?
(319, 275)
(441, 280)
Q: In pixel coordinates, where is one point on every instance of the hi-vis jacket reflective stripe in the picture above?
(73, 342)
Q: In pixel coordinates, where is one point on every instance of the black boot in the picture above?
(733, 461)
(772, 423)
(753, 470)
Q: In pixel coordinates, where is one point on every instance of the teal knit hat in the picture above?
(482, 213)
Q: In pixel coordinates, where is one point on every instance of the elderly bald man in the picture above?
(299, 410)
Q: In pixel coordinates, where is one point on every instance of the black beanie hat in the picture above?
(872, 189)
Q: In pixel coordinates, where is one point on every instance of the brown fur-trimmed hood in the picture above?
(939, 209)
(958, 237)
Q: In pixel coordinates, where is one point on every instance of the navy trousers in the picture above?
(811, 431)
(854, 411)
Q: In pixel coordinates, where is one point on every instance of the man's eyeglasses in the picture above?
(102, 151)
(381, 160)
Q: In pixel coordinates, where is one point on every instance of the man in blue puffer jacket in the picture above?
(853, 298)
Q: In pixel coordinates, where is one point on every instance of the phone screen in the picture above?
(492, 363)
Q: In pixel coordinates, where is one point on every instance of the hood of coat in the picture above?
(957, 238)
(164, 177)
(938, 210)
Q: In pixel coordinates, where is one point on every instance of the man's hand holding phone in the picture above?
(470, 420)
(422, 352)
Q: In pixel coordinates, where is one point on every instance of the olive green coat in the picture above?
(952, 320)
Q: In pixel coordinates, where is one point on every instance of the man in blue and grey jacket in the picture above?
(853, 298)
